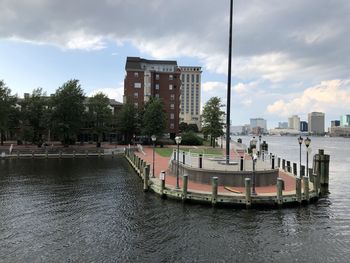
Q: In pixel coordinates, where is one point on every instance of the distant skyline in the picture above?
(289, 57)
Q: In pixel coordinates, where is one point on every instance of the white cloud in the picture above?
(112, 93)
(213, 86)
(332, 96)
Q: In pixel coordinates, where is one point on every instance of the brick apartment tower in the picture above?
(154, 78)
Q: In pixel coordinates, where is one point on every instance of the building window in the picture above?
(136, 104)
(171, 77)
(157, 76)
(170, 86)
(172, 116)
(197, 79)
(171, 125)
(136, 74)
(172, 106)
(172, 96)
(136, 95)
(157, 95)
(137, 85)
(192, 77)
(157, 85)
(183, 78)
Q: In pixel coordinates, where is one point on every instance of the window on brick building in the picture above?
(171, 125)
(136, 94)
(170, 86)
(157, 85)
(137, 85)
(172, 106)
(171, 77)
(172, 116)
(172, 96)
(136, 74)
(157, 76)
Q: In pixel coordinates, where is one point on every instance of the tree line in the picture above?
(68, 113)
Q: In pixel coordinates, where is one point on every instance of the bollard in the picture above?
(306, 188)
(146, 171)
(112, 154)
(283, 164)
(46, 154)
(280, 186)
(279, 162)
(174, 152)
(184, 187)
(321, 161)
(295, 169)
(162, 182)
(99, 153)
(298, 189)
(273, 162)
(241, 164)
(32, 154)
(302, 171)
(248, 192)
(317, 184)
(288, 167)
(214, 190)
(60, 154)
(73, 154)
(200, 158)
(183, 157)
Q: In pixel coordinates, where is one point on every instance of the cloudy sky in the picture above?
(289, 57)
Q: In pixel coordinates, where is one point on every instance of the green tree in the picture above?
(35, 115)
(154, 118)
(99, 114)
(68, 108)
(128, 120)
(7, 106)
(213, 119)
(183, 126)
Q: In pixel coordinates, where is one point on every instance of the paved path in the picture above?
(162, 164)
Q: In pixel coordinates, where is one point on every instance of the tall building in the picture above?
(316, 122)
(283, 125)
(345, 120)
(154, 78)
(190, 95)
(258, 125)
(335, 123)
(294, 122)
(303, 126)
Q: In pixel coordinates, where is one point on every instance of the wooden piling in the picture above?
(214, 190)
(279, 186)
(146, 171)
(162, 182)
(306, 188)
(184, 187)
(248, 192)
(298, 189)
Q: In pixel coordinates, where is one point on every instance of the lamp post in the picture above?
(154, 138)
(178, 141)
(300, 140)
(260, 150)
(307, 144)
(253, 143)
(134, 140)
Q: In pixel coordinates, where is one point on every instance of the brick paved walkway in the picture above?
(162, 164)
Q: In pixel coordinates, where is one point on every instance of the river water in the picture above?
(94, 210)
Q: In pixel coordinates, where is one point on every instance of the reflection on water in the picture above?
(94, 210)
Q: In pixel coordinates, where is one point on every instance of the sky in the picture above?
(289, 57)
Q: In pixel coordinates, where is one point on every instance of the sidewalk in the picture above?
(162, 164)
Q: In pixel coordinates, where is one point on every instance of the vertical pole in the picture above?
(273, 162)
(154, 146)
(146, 171)
(283, 164)
(177, 166)
(228, 104)
(279, 162)
(183, 157)
(248, 197)
(279, 191)
(295, 171)
(298, 189)
(73, 154)
(200, 161)
(214, 190)
(302, 171)
(162, 182)
(253, 189)
(242, 163)
(184, 187)
(306, 188)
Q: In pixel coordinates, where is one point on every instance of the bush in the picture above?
(164, 141)
(190, 138)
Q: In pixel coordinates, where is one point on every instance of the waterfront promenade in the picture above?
(162, 164)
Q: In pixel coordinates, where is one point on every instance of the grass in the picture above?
(166, 152)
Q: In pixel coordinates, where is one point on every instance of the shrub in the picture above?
(190, 138)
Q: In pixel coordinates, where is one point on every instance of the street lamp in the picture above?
(300, 140)
(307, 144)
(178, 141)
(253, 143)
(154, 138)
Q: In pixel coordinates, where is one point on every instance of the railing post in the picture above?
(298, 189)
(146, 171)
(183, 157)
(272, 162)
(200, 156)
(280, 186)
(295, 171)
(184, 186)
(242, 163)
(306, 188)
(162, 182)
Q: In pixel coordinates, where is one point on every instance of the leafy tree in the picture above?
(68, 108)
(192, 127)
(154, 119)
(128, 121)
(212, 119)
(99, 114)
(35, 114)
(7, 105)
(183, 126)
(190, 138)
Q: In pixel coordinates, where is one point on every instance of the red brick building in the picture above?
(154, 78)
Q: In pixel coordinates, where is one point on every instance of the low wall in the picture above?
(226, 178)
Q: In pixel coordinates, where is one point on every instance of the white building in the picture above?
(294, 122)
(316, 122)
(190, 95)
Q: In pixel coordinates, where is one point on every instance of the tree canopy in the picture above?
(154, 118)
(128, 121)
(7, 106)
(213, 119)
